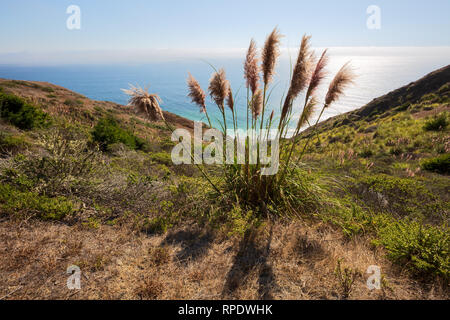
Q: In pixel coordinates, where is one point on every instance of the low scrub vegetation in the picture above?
(421, 248)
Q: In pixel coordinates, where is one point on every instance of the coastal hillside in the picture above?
(91, 184)
(406, 97)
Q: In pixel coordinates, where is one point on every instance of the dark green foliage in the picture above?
(21, 113)
(438, 123)
(439, 164)
(108, 132)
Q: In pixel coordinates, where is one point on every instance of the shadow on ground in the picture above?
(194, 243)
(249, 258)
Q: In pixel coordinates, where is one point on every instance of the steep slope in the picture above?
(401, 99)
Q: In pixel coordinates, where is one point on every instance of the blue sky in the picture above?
(40, 25)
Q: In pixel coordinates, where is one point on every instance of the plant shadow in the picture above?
(249, 258)
(194, 243)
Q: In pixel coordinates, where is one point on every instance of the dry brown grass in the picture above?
(292, 261)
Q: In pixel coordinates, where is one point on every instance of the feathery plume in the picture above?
(219, 88)
(270, 54)
(343, 78)
(251, 68)
(230, 100)
(318, 74)
(300, 75)
(196, 93)
(257, 104)
(145, 102)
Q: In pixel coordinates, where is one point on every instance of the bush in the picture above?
(12, 143)
(66, 166)
(20, 113)
(25, 203)
(423, 249)
(73, 102)
(438, 123)
(398, 196)
(108, 132)
(439, 164)
(162, 157)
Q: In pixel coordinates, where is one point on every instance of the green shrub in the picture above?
(68, 165)
(25, 203)
(20, 113)
(108, 132)
(162, 157)
(399, 196)
(423, 249)
(438, 123)
(445, 88)
(12, 143)
(47, 89)
(158, 225)
(439, 164)
(73, 102)
(430, 97)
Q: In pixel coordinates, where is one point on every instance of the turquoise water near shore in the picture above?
(379, 71)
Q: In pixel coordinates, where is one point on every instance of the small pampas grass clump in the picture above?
(251, 68)
(219, 88)
(145, 103)
(257, 104)
(343, 78)
(196, 93)
(270, 54)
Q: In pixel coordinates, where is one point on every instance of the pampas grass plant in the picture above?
(287, 191)
(245, 182)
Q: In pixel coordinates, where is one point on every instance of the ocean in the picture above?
(379, 71)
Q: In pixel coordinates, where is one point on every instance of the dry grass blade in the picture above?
(219, 88)
(196, 93)
(145, 103)
(270, 54)
(271, 116)
(251, 68)
(343, 78)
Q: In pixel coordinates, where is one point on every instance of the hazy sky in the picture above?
(30, 27)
